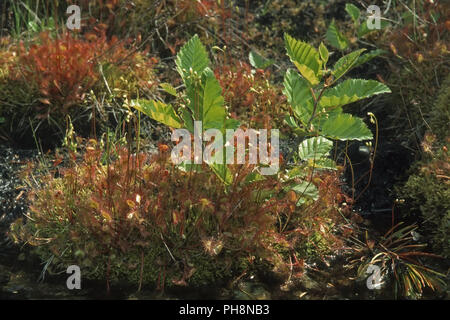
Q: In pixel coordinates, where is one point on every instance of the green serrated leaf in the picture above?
(324, 115)
(306, 190)
(305, 57)
(336, 38)
(324, 54)
(258, 61)
(206, 102)
(232, 124)
(314, 148)
(290, 121)
(212, 107)
(346, 127)
(222, 172)
(353, 11)
(167, 87)
(158, 111)
(368, 56)
(187, 119)
(298, 94)
(325, 164)
(352, 90)
(192, 56)
(344, 64)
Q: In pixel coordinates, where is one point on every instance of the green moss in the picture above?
(440, 114)
(314, 247)
(197, 268)
(426, 192)
(211, 269)
(15, 96)
(412, 107)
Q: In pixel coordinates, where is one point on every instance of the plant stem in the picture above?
(316, 102)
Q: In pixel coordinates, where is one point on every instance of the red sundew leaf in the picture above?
(56, 162)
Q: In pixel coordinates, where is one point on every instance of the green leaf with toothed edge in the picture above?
(346, 127)
(192, 56)
(324, 54)
(314, 148)
(306, 190)
(213, 108)
(353, 11)
(206, 103)
(221, 169)
(223, 173)
(298, 94)
(336, 38)
(158, 111)
(368, 56)
(187, 119)
(325, 164)
(315, 151)
(344, 64)
(290, 121)
(232, 124)
(258, 61)
(167, 87)
(351, 90)
(305, 57)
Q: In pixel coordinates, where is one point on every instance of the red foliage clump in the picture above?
(139, 203)
(65, 68)
(250, 94)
